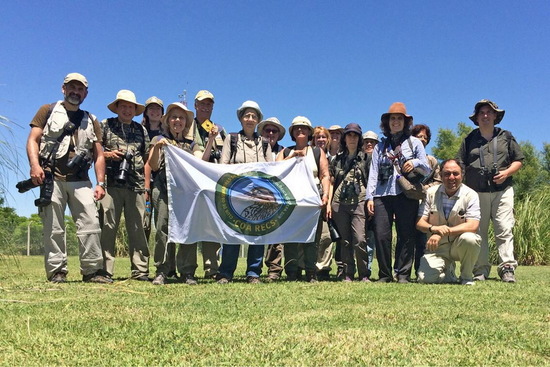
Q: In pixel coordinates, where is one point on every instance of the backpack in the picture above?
(233, 144)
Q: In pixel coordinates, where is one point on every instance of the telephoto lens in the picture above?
(334, 234)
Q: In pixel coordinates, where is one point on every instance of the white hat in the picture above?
(154, 100)
(300, 121)
(250, 104)
(189, 114)
(370, 135)
(76, 76)
(204, 94)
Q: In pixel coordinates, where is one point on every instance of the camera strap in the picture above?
(482, 155)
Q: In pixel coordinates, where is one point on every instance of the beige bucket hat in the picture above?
(128, 96)
(275, 122)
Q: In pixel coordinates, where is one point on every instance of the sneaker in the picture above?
(160, 279)
(479, 278)
(189, 279)
(142, 278)
(253, 280)
(384, 280)
(222, 280)
(365, 280)
(347, 279)
(59, 277)
(508, 276)
(97, 278)
(467, 282)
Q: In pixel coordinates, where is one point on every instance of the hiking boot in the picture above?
(323, 275)
(253, 280)
(508, 276)
(272, 277)
(384, 280)
(403, 279)
(479, 278)
(97, 278)
(142, 278)
(189, 279)
(160, 279)
(222, 280)
(311, 276)
(59, 277)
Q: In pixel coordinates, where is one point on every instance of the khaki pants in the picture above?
(115, 201)
(80, 198)
(324, 249)
(498, 207)
(210, 251)
(438, 266)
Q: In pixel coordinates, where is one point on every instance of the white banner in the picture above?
(252, 203)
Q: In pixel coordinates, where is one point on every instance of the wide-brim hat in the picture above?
(250, 104)
(275, 122)
(397, 107)
(371, 135)
(76, 76)
(189, 114)
(300, 121)
(493, 105)
(154, 100)
(336, 128)
(204, 94)
(127, 96)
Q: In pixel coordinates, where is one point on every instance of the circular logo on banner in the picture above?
(253, 203)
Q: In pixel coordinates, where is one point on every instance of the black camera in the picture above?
(334, 234)
(46, 191)
(24, 186)
(122, 175)
(79, 161)
(348, 191)
(385, 171)
(215, 155)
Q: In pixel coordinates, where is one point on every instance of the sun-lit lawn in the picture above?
(329, 323)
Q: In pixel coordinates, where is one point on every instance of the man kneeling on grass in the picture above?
(450, 216)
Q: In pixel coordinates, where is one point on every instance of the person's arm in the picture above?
(510, 171)
(324, 177)
(211, 141)
(33, 143)
(226, 150)
(155, 154)
(99, 168)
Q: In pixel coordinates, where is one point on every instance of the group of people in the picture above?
(362, 180)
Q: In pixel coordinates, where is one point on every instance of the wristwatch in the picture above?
(430, 229)
(102, 184)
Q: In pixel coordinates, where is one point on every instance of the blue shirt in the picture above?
(390, 187)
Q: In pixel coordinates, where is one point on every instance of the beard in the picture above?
(73, 99)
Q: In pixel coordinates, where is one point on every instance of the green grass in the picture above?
(329, 323)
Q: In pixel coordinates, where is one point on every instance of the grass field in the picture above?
(324, 324)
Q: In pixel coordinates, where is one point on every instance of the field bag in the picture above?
(411, 190)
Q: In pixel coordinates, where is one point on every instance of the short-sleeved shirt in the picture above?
(61, 171)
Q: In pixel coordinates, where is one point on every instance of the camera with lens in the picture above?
(215, 155)
(24, 186)
(490, 173)
(46, 191)
(122, 175)
(348, 191)
(79, 161)
(385, 171)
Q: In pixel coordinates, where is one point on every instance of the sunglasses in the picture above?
(272, 131)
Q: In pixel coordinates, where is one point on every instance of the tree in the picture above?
(448, 142)
(9, 221)
(531, 176)
(546, 157)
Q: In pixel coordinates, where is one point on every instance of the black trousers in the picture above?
(402, 211)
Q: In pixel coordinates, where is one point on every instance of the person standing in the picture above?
(349, 177)
(336, 132)
(301, 133)
(62, 143)
(204, 105)
(450, 216)
(244, 147)
(271, 130)
(126, 144)
(386, 200)
(492, 156)
(176, 124)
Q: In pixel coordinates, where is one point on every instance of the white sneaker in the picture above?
(468, 282)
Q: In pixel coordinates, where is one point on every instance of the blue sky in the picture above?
(334, 62)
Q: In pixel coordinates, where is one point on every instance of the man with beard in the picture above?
(62, 143)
